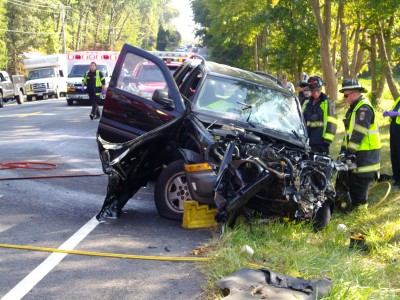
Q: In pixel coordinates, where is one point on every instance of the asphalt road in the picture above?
(45, 211)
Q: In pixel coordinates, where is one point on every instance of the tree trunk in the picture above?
(78, 34)
(373, 68)
(389, 77)
(324, 36)
(385, 69)
(343, 43)
(256, 66)
(360, 54)
(353, 73)
(337, 31)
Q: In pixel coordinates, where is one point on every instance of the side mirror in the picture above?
(161, 97)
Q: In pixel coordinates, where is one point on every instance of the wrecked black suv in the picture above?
(223, 136)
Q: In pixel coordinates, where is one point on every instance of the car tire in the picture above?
(1, 99)
(70, 102)
(57, 94)
(322, 217)
(171, 191)
(20, 97)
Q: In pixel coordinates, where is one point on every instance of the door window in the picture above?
(141, 77)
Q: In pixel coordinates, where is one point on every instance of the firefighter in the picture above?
(394, 119)
(320, 117)
(96, 85)
(361, 143)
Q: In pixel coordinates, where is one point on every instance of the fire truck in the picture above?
(78, 64)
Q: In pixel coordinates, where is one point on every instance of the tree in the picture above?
(3, 30)
(32, 28)
(259, 35)
(382, 20)
(162, 39)
(324, 20)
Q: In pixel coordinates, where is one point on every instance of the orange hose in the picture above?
(31, 165)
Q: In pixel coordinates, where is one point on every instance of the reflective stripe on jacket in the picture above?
(320, 120)
(99, 81)
(368, 151)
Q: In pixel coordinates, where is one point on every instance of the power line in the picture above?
(24, 4)
(30, 32)
(31, 4)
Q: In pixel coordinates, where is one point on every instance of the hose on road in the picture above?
(104, 254)
(36, 166)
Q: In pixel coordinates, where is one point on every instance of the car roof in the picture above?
(217, 69)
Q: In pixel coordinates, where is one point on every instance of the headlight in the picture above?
(71, 85)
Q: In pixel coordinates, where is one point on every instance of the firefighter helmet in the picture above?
(352, 84)
(315, 83)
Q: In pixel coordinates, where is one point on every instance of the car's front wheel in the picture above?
(171, 191)
(20, 97)
(322, 217)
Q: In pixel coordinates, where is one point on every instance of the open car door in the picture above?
(141, 113)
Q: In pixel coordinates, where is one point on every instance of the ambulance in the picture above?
(78, 64)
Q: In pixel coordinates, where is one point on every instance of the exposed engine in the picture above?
(271, 178)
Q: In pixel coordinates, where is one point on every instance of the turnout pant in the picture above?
(395, 151)
(359, 185)
(94, 99)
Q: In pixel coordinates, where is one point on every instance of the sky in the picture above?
(184, 22)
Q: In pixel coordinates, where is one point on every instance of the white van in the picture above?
(46, 76)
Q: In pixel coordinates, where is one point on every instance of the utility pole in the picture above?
(63, 10)
(63, 27)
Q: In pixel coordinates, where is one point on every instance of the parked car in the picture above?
(11, 87)
(220, 135)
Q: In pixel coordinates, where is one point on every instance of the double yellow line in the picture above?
(30, 114)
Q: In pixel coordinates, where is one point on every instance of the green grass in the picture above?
(294, 249)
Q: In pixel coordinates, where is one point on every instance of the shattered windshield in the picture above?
(260, 106)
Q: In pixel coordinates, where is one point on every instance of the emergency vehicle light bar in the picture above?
(92, 56)
(171, 57)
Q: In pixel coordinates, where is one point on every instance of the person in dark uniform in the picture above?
(302, 88)
(361, 143)
(96, 85)
(320, 117)
(394, 119)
